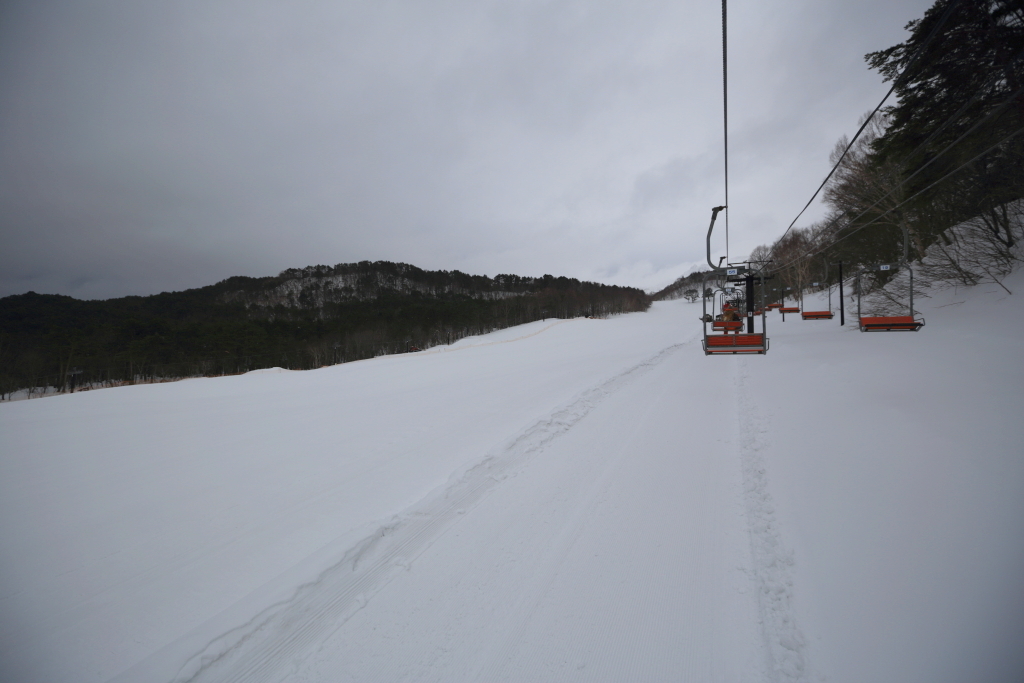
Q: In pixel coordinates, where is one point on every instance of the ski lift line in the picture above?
(995, 112)
(908, 199)
(896, 83)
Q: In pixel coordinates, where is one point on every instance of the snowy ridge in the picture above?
(773, 562)
(281, 635)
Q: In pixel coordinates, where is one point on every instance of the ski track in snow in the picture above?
(783, 641)
(502, 647)
(281, 636)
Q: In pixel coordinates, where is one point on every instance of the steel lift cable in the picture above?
(725, 123)
(896, 83)
(995, 112)
(913, 196)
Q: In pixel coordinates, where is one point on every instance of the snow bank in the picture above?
(571, 500)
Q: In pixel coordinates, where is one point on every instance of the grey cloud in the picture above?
(152, 146)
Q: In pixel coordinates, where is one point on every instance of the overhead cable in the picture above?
(895, 84)
(908, 199)
(725, 125)
(995, 112)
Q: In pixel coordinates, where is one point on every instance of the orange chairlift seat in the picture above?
(817, 315)
(727, 325)
(735, 343)
(893, 323)
(782, 308)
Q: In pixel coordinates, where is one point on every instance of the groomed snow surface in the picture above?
(578, 500)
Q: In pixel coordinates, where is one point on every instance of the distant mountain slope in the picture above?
(316, 287)
(301, 318)
(682, 284)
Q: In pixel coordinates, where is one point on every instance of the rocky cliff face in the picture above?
(316, 286)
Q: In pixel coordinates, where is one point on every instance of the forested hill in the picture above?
(302, 318)
(319, 287)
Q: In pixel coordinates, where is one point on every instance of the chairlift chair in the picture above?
(821, 315)
(739, 342)
(816, 314)
(891, 323)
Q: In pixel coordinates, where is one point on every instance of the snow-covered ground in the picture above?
(589, 500)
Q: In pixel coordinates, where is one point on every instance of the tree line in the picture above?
(300, 319)
(944, 165)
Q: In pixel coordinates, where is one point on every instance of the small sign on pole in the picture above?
(74, 375)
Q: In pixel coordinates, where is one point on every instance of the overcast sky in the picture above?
(156, 146)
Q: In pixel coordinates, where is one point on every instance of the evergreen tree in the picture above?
(961, 101)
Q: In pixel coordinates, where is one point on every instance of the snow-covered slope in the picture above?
(566, 500)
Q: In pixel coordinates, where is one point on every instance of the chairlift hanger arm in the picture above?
(714, 215)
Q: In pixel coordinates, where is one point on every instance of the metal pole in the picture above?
(750, 304)
(74, 375)
(911, 289)
(704, 307)
(842, 311)
(764, 302)
(858, 296)
(828, 284)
